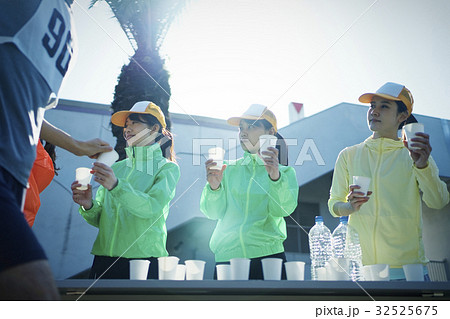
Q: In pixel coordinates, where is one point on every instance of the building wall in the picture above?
(436, 235)
(67, 238)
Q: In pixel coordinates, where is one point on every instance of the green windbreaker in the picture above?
(131, 218)
(390, 223)
(249, 207)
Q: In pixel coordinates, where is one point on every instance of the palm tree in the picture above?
(145, 23)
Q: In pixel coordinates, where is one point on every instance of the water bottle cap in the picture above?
(319, 219)
(343, 219)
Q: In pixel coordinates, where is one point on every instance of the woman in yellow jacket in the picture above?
(389, 218)
(251, 196)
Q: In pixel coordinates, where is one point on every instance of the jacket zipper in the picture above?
(377, 205)
(118, 208)
(246, 211)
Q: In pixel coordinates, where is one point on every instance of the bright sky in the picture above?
(224, 55)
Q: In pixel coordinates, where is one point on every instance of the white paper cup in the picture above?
(194, 269)
(272, 268)
(108, 158)
(378, 272)
(338, 269)
(413, 272)
(216, 154)
(410, 132)
(240, 268)
(321, 273)
(295, 270)
(266, 141)
(223, 272)
(167, 267)
(83, 176)
(181, 272)
(366, 273)
(139, 269)
(363, 182)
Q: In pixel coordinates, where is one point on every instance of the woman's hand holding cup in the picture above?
(104, 175)
(270, 158)
(214, 176)
(82, 197)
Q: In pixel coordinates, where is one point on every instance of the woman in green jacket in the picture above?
(250, 197)
(389, 219)
(131, 205)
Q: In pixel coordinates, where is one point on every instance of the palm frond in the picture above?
(145, 22)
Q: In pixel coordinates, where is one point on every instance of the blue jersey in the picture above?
(46, 38)
(36, 47)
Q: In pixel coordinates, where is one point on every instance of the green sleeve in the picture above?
(435, 194)
(151, 203)
(340, 185)
(213, 203)
(283, 193)
(92, 216)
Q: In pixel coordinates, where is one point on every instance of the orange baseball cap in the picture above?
(391, 91)
(143, 107)
(255, 112)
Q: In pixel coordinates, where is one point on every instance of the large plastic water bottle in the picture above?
(339, 237)
(353, 252)
(319, 246)
(345, 240)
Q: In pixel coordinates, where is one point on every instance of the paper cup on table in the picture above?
(167, 267)
(83, 176)
(272, 268)
(321, 273)
(223, 272)
(108, 158)
(413, 272)
(410, 132)
(378, 272)
(266, 141)
(338, 269)
(181, 272)
(194, 269)
(363, 182)
(216, 154)
(240, 268)
(366, 273)
(295, 270)
(139, 269)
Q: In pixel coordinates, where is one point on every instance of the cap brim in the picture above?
(119, 118)
(235, 121)
(367, 98)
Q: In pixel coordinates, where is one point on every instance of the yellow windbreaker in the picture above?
(390, 223)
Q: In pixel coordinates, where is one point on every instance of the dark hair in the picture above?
(165, 138)
(281, 143)
(50, 148)
(401, 107)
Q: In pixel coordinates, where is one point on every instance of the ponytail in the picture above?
(401, 107)
(50, 148)
(165, 140)
(282, 150)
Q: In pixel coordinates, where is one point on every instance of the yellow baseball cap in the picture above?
(255, 112)
(142, 107)
(391, 91)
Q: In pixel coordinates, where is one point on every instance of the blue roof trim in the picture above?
(63, 107)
